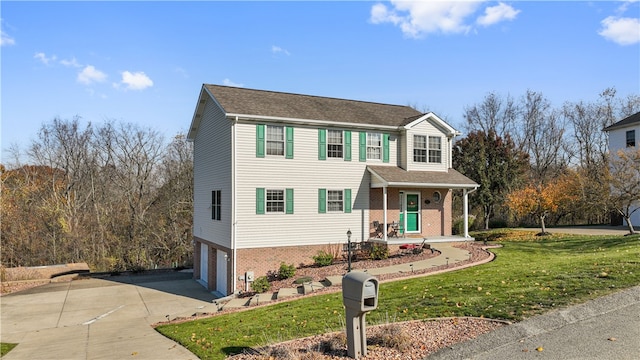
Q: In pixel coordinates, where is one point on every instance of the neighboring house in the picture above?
(622, 135)
(279, 177)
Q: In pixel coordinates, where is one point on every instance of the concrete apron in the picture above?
(100, 318)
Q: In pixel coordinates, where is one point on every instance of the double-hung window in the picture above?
(419, 148)
(334, 143)
(374, 146)
(435, 149)
(275, 201)
(275, 140)
(631, 138)
(335, 200)
(215, 204)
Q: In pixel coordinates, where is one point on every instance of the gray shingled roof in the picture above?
(635, 118)
(397, 176)
(244, 101)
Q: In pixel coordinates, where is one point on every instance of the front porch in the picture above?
(411, 206)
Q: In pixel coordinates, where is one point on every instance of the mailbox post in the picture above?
(359, 295)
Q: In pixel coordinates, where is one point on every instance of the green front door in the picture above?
(413, 212)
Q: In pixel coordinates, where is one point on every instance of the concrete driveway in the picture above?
(105, 318)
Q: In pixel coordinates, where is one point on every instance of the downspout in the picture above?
(233, 204)
(465, 207)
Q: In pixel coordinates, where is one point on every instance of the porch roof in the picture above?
(393, 176)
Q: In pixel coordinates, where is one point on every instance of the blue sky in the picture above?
(145, 62)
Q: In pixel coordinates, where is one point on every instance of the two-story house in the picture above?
(623, 135)
(279, 177)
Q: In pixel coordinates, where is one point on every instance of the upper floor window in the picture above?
(435, 149)
(631, 138)
(427, 149)
(419, 148)
(334, 143)
(216, 204)
(374, 146)
(275, 140)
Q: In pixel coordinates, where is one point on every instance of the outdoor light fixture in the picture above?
(349, 250)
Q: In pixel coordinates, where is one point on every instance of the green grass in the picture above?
(529, 276)
(5, 348)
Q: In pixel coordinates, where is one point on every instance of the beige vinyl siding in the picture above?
(427, 129)
(305, 174)
(212, 171)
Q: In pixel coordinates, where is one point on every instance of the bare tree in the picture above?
(493, 115)
(541, 136)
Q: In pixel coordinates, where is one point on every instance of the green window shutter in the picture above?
(289, 143)
(289, 200)
(363, 146)
(259, 200)
(260, 135)
(322, 201)
(347, 145)
(347, 200)
(385, 148)
(322, 144)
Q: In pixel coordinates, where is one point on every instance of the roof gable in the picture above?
(629, 120)
(434, 120)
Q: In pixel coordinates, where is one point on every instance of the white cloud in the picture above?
(90, 74)
(70, 63)
(136, 81)
(43, 58)
(5, 39)
(496, 14)
(278, 49)
(417, 19)
(231, 83)
(622, 31)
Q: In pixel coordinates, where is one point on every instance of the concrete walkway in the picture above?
(111, 318)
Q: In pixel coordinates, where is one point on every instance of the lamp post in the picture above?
(349, 250)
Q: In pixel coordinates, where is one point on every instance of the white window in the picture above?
(275, 201)
(334, 143)
(275, 140)
(419, 148)
(435, 149)
(335, 200)
(374, 146)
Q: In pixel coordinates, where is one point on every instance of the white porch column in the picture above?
(384, 210)
(465, 207)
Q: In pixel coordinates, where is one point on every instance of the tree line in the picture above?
(120, 197)
(116, 196)
(537, 164)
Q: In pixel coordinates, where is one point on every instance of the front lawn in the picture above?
(529, 276)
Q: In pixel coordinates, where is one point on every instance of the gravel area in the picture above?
(407, 341)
